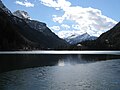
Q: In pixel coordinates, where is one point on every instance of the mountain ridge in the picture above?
(16, 34)
(74, 39)
(21, 14)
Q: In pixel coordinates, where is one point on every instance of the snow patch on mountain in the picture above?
(74, 39)
(37, 25)
(21, 14)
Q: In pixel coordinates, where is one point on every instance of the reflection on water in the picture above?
(60, 72)
(61, 63)
(12, 62)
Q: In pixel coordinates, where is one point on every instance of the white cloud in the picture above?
(65, 34)
(58, 19)
(65, 26)
(77, 27)
(88, 19)
(57, 4)
(25, 3)
(56, 28)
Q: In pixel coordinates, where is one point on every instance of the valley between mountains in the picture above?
(19, 32)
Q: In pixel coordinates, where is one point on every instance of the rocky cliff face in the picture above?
(21, 34)
(21, 14)
(39, 26)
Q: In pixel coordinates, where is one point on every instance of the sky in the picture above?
(67, 17)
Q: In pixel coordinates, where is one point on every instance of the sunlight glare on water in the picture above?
(61, 63)
(61, 72)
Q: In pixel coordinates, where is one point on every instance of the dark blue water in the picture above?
(73, 72)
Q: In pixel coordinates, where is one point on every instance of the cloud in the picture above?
(55, 28)
(67, 33)
(58, 19)
(25, 3)
(87, 19)
(77, 27)
(65, 26)
(57, 4)
(64, 34)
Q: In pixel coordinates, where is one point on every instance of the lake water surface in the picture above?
(60, 72)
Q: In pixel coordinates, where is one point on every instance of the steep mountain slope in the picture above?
(16, 34)
(10, 38)
(53, 39)
(110, 39)
(74, 39)
(6, 10)
(39, 26)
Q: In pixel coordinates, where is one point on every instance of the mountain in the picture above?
(19, 34)
(21, 14)
(39, 26)
(74, 39)
(110, 40)
(6, 10)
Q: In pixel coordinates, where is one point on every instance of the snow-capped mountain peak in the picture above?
(74, 39)
(21, 14)
(37, 25)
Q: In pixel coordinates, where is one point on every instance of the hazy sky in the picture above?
(66, 17)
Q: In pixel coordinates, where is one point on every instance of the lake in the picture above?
(59, 72)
